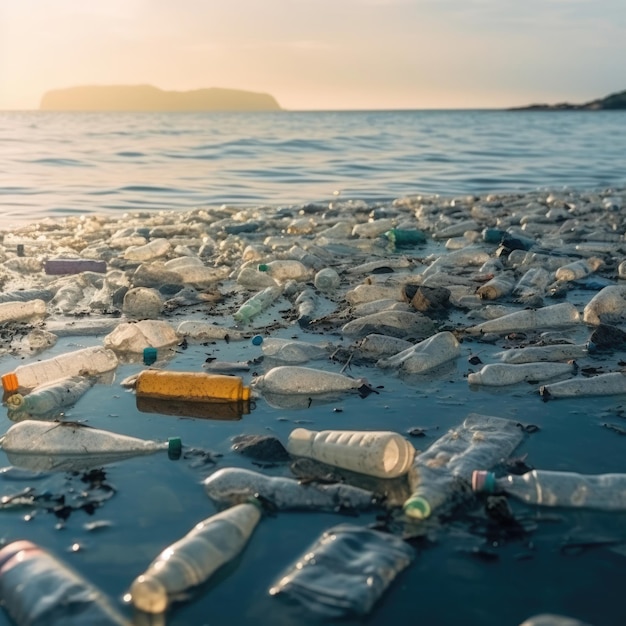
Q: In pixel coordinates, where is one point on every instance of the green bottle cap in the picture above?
(417, 507)
(263, 267)
(174, 448)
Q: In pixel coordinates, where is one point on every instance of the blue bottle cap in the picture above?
(257, 340)
(149, 356)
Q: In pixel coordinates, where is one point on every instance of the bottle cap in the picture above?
(483, 481)
(149, 356)
(263, 267)
(9, 382)
(417, 507)
(257, 340)
(174, 448)
(15, 400)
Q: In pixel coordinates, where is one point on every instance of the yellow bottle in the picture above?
(191, 386)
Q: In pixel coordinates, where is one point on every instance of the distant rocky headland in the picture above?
(615, 101)
(149, 98)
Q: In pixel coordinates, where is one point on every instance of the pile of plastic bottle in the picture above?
(326, 299)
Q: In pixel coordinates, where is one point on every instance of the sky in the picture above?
(321, 54)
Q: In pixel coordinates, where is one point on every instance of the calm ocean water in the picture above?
(465, 572)
(54, 164)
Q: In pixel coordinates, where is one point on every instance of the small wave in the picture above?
(60, 162)
(152, 189)
(130, 154)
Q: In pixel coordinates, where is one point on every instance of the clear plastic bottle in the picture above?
(605, 492)
(153, 250)
(205, 331)
(377, 346)
(611, 384)
(37, 589)
(327, 280)
(499, 286)
(480, 441)
(293, 351)
(383, 454)
(21, 311)
(533, 354)
(293, 379)
(391, 322)
(501, 374)
(306, 304)
(135, 337)
(425, 355)
(232, 485)
(554, 316)
(286, 269)
(87, 361)
(190, 386)
(50, 397)
(607, 306)
(193, 559)
(578, 269)
(256, 304)
(532, 284)
(551, 619)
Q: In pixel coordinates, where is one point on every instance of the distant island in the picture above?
(149, 98)
(613, 102)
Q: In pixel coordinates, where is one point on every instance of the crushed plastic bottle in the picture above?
(501, 374)
(293, 351)
(293, 379)
(425, 355)
(383, 454)
(480, 441)
(606, 492)
(233, 485)
(37, 589)
(135, 337)
(86, 362)
(194, 558)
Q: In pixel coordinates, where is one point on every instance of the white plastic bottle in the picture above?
(425, 355)
(327, 280)
(21, 311)
(578, 269)
(533, 354)
(607, 306)
(383, 454)
(193, 559)
(293, 379)
(37, 589)
(87, 361)
(606, 492)
(554, 316)
(499, 286)
(232, 485)
(50, 397)
(532, 284)
(282, 270)
(256, 304)
(293, 351)
(480, 441)
(611, 384)
(501, 374)
(377, 346)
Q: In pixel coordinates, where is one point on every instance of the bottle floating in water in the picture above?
(480, 441)
(382, 454)
(37, 589)
(293, 351)
(256, 304)
(193, 559)
(191, 386)
(534, 354)
(88, 361)
(605, 492)
(49, 398)
(501, 374)
(232, 485)
(611, 384)
(292, 379)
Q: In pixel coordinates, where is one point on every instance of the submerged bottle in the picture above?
(555, 352)
(611, 384)
(37, 589)
(605, 492)
(425, 355)
(480, 441)
(50, 397)
(293, 379)
(501, 374)
(193, 559)
(232, 485)
(382, 454)
(256, 304)
(190, 386)
(87, 361)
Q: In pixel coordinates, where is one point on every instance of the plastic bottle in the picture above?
(606, 492)
(285, 269)
(551, 619)
(377, 346)
(499, 286)
(193, 559)
(382, 454)
(149, 251)
(293, 379)
(37, 589)
(501, 374)
(613, 383)
(232, 485)
(190, 386)
(74, 266)
(49, 397)
(532, 284)
(306, 304)
(480, 441)
(327, 280)
(424, 356)
(135, 337)
(391, 322)
(256, 304)
(293, 351)
(404, 238)
(87, 361)
(21, 311)
(250, 278)
(205, 331)
(26, 295)
(607, 306)
(534, 354)
(578, 269)
(554, 316)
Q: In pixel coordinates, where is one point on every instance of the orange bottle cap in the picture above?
(9, 382)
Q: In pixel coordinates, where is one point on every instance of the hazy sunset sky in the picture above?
(321, 54)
